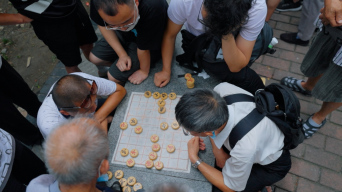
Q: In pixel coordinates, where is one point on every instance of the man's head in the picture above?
(201, 110)
(73, 94)
(76, 151)
(118, 14)
(224, 16)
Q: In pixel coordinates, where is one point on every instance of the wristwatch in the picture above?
(196, 164)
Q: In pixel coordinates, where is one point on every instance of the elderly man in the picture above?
(77, 94)
(132, 32)
(76, 155)
(257, 160)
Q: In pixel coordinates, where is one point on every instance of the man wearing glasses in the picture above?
(257, 159)
(132, 31)
(220, 18)
(77, 94)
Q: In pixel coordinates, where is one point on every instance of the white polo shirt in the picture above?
(48, 115)
(187, 11)
(262, 145)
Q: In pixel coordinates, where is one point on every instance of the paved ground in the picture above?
(317, 163)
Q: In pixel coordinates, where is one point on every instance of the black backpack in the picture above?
(204, 48)
(280, 105)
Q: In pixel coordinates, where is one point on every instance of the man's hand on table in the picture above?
(138, 77)
(194, 145)
(162, 78)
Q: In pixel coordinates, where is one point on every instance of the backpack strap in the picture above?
(247, 123)
(244, 126)
(240, 97)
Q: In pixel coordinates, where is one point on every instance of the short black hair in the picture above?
(201, 110)
(225, 16)
(68, 90)
(110, 7)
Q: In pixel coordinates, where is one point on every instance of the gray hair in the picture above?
(74, 151)
(201, 110)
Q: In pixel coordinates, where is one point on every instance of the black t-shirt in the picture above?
(44, 10)
(151, 25)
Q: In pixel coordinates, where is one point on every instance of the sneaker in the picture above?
(289, 5)
(292, 38)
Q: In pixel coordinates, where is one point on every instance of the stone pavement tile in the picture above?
(286, 27)
(280, 190)
(331, 179)
(280, 17)
(263, 70)
(289, 182)
(302, 49)
(298, 151)
(282, 44)
(336, 117)
(292, 56)
(305, 169)
(277, 32)
(295, 68)
(276, 62)
(294, 20)
(317, 140)
(332, 130)
(308, 107)
(259, 60)
(334, 146)
(279, 74)
(41, 97)
(319, 102)
(272, 23)
(304, 97)
(322, 158)
(305, 185)
(291, 13)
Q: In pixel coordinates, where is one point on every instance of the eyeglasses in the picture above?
(200, 13)
(113, 27)
(86, 103)
(186, 132)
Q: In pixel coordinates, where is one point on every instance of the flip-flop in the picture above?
(291, 83)
(310, 129)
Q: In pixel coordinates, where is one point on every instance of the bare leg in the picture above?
(99, 62)
(110, 77)
(86, 50)
(72, 69)
(325, 110)
(271, 6)
(310, 83)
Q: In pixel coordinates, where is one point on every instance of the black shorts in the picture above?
(105, 52)
(65, 37)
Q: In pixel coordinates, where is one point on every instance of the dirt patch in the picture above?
(18, 43)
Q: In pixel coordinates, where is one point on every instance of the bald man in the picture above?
(76, 155)
(75, 94)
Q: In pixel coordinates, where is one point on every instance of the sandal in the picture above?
(291, 83)
(310, 129)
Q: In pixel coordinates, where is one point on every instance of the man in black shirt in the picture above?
(132, 31)
(64, 26)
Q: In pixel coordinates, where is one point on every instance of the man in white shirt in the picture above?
(257, 160)
(76, 156)
(222, 18)
(77, 93)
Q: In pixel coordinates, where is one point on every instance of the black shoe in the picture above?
(292, 38)
(289, 5)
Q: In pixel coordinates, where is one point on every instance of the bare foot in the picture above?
(138, 77)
